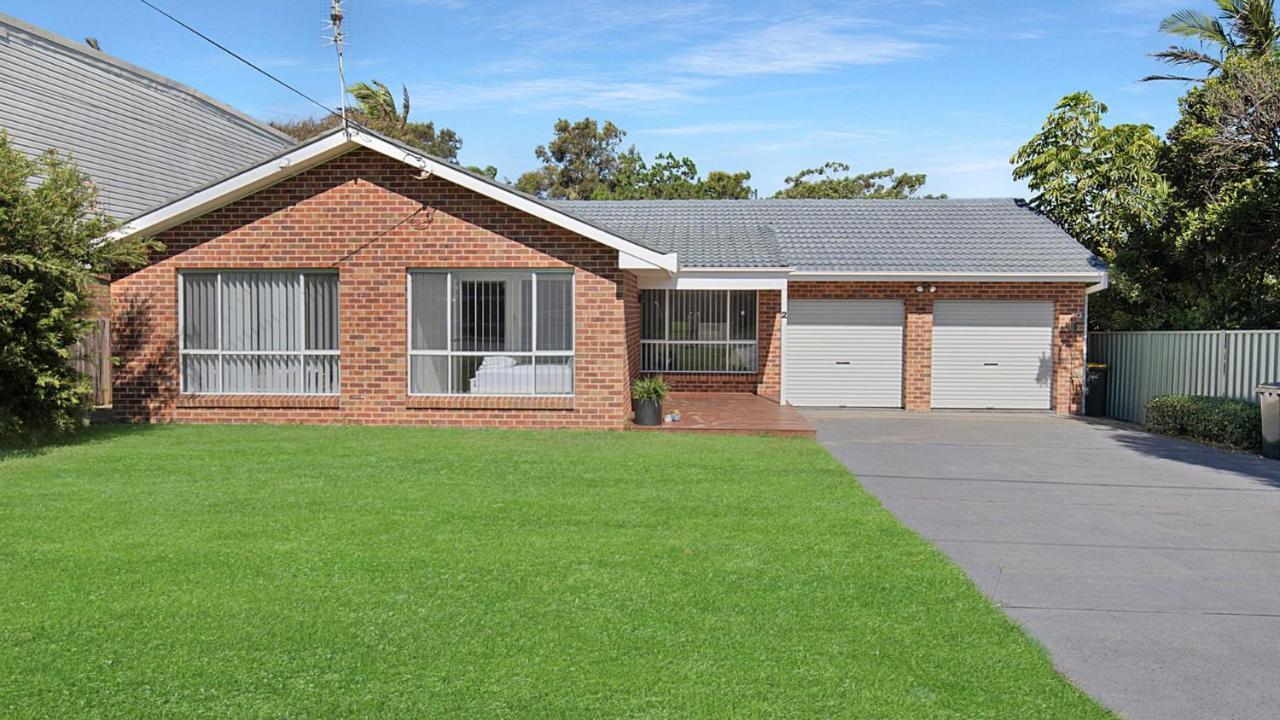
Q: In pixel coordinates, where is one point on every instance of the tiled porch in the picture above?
(732, 414)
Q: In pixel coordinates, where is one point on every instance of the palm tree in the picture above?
(1241, 28)
(377, 103)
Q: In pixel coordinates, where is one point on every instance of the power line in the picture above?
(237, 56)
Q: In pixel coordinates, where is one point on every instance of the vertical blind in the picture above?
(705, 331)
(499, 332)
(260, 332)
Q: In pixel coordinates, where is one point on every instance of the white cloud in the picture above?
(800, 46)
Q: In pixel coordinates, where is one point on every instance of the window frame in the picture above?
(302, 352)
(533, 353)
(728, 342)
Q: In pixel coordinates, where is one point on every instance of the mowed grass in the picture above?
(291, 572)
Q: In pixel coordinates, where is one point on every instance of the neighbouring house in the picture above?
(142, 138)
(353, 279)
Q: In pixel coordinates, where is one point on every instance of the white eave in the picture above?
(340, 142)
(1096, 276)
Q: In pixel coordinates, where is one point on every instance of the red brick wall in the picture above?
(766, 380)
(1068, 299)
(369, 217)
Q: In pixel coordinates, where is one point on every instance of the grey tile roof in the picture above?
(143, 138)
(925, 236)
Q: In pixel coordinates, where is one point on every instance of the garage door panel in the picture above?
(844, 353)
(992, 354)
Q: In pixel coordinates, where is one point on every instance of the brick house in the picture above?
(353, 279)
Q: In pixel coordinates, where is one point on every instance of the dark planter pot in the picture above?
(648, 412)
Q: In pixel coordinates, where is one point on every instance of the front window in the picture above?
(698, 331)
(257, 332)
(491, 332)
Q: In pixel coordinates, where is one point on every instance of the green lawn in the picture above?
(288, 572)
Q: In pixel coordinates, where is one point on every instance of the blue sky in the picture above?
(946, 87)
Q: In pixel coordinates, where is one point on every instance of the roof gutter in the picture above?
(1094, 277)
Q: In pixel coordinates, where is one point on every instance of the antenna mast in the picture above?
(336, 39)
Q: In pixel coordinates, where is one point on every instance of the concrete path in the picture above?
(1149, 567)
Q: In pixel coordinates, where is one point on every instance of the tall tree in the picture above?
(1242, 28)
(1102, 185)
(1224, 162)
(376, 108)
(833, 181)
(52, 253)
(1191, 225)
(583, 162)
(672, 178)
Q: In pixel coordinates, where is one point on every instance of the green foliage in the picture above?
(1241, 29)
(50, 259)
(1234, 423)
(358, 572)
(1223, 159)
(650, 388)
(1190, 227)
(1099, 183)
(580, 161)
(1102, 185)
(488, 171)
(584, 162)
(376, 109)
(671, 178)
(824, 183)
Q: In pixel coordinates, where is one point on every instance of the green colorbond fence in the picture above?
(1219, 363)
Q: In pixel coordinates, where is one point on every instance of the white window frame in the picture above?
(668, 342)
(533, 354)
(302, 353)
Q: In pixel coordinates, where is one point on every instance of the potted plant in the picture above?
(646, 399)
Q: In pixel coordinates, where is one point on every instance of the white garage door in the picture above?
(844, 353)
(990, 354)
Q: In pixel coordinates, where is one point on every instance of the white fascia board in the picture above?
(1103, 284)
(237, 186)
(1093, 277)
(465, 179)
(716, 280)
(631, 262)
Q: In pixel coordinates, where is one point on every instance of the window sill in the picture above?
(486, 402)
(258, 401)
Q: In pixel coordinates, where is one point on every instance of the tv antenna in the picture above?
(336, 38)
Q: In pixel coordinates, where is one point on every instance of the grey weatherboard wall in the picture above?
(142, 138)
(1218, 363)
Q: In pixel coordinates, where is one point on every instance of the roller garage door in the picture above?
(992, 354)
(844, 353)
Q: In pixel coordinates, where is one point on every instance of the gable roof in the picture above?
(339, 141)
(870, 237)
(141, 137)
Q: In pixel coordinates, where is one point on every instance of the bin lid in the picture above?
(1271, 387)
(1098, 366)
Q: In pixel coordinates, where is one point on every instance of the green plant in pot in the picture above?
(646, 399)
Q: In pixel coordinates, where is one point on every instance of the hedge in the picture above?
(1234, 423)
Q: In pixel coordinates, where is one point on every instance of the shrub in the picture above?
(50, 259)
(649, 388)
(1235, 423)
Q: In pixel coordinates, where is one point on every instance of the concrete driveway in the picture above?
(1149, 567)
